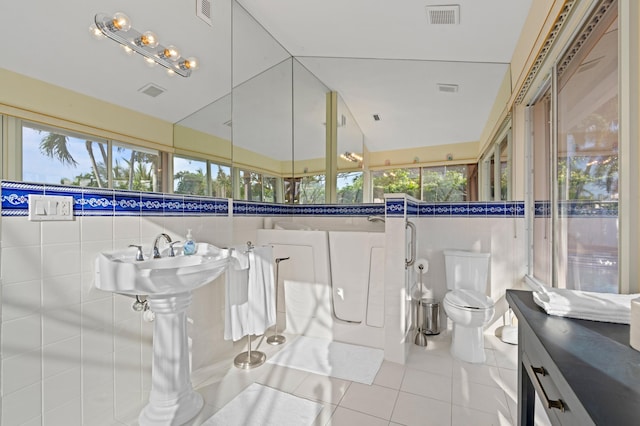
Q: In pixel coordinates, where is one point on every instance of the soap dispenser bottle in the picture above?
(189, 246)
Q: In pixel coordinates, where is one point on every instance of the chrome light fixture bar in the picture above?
(351, 156)
(118, 28)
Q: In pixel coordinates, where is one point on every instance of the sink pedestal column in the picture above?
(172, 400)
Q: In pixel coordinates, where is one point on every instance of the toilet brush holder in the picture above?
(277, 339)
(421, 267)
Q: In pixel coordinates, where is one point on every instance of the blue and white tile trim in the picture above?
(108, 202)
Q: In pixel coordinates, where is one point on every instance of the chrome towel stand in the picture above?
(277, 339)
(249, 359)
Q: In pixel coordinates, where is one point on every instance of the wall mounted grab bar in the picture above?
(412, 259)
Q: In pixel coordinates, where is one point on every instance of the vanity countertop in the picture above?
(596, 364)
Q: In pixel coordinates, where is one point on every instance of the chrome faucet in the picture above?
(156, 252)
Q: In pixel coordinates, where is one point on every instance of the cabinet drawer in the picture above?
(561, 405)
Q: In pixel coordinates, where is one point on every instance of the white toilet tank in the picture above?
(466, 270)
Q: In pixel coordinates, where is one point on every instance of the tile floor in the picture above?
(432, 388)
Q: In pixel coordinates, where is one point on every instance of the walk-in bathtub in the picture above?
(333, 284)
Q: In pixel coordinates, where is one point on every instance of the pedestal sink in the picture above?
(167, 282)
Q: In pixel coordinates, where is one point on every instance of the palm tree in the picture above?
(55, 146)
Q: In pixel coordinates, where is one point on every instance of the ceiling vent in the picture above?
(447, 88)
(376, 117)
(444, 14)
(152, 90)
(203, 11)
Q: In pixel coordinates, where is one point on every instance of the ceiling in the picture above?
(382, 57)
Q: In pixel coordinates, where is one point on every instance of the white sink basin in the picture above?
(118, 271)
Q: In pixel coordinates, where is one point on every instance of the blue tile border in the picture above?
(109, 202)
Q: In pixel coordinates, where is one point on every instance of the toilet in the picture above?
(466, 302)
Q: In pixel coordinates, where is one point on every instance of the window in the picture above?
(349, 187)
(574, 158)
(587, 165)
(57, 156)
(135, 168)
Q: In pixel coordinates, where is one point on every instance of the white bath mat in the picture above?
(260, 405)
(325, 357)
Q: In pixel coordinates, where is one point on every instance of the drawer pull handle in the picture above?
(551, 403)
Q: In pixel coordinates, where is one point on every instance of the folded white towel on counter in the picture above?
(249, 293)
(605, 307)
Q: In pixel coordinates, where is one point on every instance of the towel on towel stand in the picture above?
(250, 294)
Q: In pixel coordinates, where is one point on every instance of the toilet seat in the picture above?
(470, 300)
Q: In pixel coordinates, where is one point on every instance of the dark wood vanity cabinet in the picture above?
(584, 372)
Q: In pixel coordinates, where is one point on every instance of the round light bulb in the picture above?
(149, 39)
(171, 52)
(190, 63)
(121, 22)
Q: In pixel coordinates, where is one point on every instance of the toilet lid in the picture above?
(469, 299)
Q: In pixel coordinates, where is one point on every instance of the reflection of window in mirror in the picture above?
(496, 168)
(220, 180)
(255, 186)
(189, 176)
(349, 187)
(395, 181)
(305, 190)
(445, 183)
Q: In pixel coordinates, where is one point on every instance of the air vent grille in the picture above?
(203, 11)
(152, 90)
(447, 88)
(443, 14)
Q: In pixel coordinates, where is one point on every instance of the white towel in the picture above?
(236, 296)
(250, 296)
(605, 307)
(262, 302)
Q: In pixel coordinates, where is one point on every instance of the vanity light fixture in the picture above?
(351, 156)
(118, 28)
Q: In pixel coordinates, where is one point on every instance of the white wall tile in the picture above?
(21, 264)
(127, 227)
(19, 232)
(20, 299)
(22, 406)
(61, 389)
(21, 371)
(128, 381)
(60, 259)
(21, 335)
(98, 315)
(96, 343)
(60, 357)
(97, 372)
(90, 250)
(60, 291)
(94, 229)
(61, 232)
(68, 414)
(61, 324)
